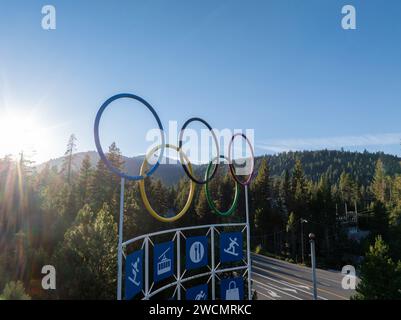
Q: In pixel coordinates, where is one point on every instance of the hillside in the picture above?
(315, 163)
(168, 173)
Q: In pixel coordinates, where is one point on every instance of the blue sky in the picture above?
(283, 68)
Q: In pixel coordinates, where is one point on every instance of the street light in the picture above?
(302, 220)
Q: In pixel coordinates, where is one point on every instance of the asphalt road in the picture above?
(279, 280)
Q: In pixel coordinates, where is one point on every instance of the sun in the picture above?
(20, 132)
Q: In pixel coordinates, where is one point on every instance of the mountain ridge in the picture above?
(360, 165)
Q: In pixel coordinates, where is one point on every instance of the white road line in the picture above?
(275, 288)
(332, 273)
(309, 273)
(265, 295)
(270, 292)
(323, 288)
(298, 281)
(289, 289)
(285, 283)
(301, 286)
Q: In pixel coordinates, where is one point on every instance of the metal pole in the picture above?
(146, 268)
(302, 241)
(313, 258)
(248, 245)
(213, 264)
(120, 242)
(178, 265)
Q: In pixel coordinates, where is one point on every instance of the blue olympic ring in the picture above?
(99, 146)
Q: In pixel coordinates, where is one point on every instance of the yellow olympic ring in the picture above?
(143, 192)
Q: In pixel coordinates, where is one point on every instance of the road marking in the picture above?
(291, 284)
(332, 273)
(273, 294)
(270, 292)
(301, 286)
(273, 287)
(285, 283)
(267, 263)
(302, 283)
(318, 288)
(265, 295)
(273, 267)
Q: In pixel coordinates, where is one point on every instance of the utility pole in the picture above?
(313, 261)
(302, 238)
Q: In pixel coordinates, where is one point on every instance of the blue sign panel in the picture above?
(133, 274)
(163, 261)
(231, 247)
(197, 293)
(232, 289)
(196, 252)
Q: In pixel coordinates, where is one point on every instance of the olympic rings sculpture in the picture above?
(183, 159)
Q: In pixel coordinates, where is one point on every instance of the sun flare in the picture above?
(20, 133)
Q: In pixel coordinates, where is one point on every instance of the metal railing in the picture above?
(180, 278)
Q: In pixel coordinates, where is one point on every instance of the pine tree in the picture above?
(379, 182)
(84, 180)
(380, 222)
(301, 205)
(291, 229)
(202, 209)
(298, 183)
(324, 213)
(100, 186)
(14, 290)
(68, 157)
(116, 159)
(86, 260)
(180, 199)
(348, 189)
(380, 276)
(285, 192)
(261, 199)
(105, 185)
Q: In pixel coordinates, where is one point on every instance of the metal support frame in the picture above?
(180, 275)
(313, 261)
(146, 268)
(178, 234)
(248, 245)
(213, 265)
(120, 241)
